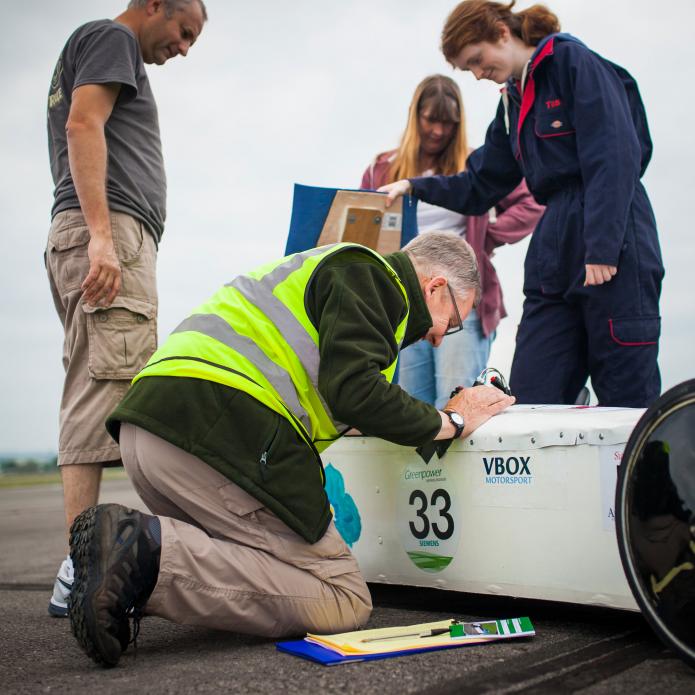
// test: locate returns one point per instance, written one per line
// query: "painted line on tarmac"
(561, 667)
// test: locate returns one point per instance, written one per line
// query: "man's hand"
(103, 280)
(598, 274)
(395, 190)
(478, 404)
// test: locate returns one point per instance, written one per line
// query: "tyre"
(655, 517)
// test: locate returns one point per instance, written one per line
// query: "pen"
(427, 633)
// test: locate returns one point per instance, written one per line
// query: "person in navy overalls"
(573, 125)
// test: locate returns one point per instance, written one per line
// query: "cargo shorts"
(104, 348)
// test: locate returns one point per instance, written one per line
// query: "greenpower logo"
(423, 475)
(428, 517)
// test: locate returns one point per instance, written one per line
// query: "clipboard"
(327, 657)
(323, 216)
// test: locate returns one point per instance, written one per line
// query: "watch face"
(457, 418)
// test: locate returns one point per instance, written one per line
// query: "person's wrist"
(457, 421)
(102, 234)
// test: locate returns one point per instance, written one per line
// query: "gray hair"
(449, 255)
(171, 6)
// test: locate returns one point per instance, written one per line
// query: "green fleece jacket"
(356, 309)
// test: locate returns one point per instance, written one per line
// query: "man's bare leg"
(80, 489)
(81, 484)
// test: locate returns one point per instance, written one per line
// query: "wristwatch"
(456, 420)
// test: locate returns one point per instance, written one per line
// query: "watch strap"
(459, 427)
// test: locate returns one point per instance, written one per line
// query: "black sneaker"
(115, 551)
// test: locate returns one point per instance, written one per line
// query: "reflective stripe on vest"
(216, 327)
(257, 327)
(260, 294)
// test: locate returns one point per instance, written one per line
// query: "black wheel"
(655, 517)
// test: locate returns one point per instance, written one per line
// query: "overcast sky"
(305, 91)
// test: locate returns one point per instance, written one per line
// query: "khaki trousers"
(229, 563)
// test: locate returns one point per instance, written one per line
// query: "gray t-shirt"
(104, 52)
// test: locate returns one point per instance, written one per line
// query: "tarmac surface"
(575, 649)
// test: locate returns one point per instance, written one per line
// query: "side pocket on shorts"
(121, 337)
(633, 332)
(66, 255)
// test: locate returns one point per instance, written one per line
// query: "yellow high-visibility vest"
(254, 334)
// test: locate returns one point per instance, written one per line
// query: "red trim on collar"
(529, 95)
(547, 50)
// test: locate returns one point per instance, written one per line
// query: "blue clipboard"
(327, 657)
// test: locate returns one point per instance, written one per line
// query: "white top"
(537, 426)
(432, 218)
(526, 427)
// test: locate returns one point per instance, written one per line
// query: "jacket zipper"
(308, 440)
(264, 455)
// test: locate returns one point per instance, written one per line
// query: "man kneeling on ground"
(221, 435)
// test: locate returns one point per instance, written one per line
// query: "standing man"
(107, 220)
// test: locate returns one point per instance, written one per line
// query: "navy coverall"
(579, 136)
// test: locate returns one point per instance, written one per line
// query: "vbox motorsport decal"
(509, 470)
(428, 516)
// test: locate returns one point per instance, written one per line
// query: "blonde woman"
(434, 142)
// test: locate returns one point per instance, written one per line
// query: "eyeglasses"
(459, 324)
